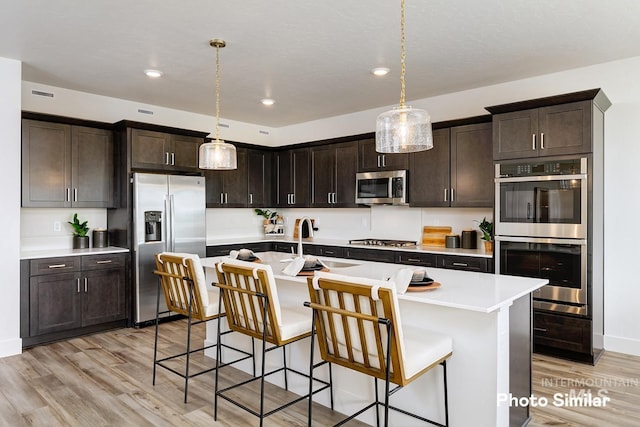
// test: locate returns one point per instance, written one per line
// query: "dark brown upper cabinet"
(456, 172)
(552, 126)
(228, 188)
(333, 169)
(370, 160)
(161, 151)
(292, 178)
(66, 165)
(259, 178)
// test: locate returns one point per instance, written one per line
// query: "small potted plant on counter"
(487, 233)
(270, 220)
(80, 230)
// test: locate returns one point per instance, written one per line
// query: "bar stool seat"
(253, 308)
(358, 326)
(182, 281)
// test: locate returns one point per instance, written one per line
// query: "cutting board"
(434, 235)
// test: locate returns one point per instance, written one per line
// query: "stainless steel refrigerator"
(168, 215)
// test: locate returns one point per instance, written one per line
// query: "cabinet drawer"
(42, 266)
(467, 263)
(95, 262)
(424, 260)
(332, 251)
(562, 332)
(370, 254)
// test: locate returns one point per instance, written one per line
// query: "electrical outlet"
(57, 226)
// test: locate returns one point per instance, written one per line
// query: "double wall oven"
(541, 229)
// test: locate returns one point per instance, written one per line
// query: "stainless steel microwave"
(382, 188)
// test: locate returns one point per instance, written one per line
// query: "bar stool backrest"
(350, 324)
(177, 271)
(250, 299)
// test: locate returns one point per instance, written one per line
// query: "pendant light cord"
(218, 93)
(402, 54)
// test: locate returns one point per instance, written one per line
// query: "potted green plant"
(80, 230)
(269, 222)
(486, 227)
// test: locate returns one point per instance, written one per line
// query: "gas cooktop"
(384, 242)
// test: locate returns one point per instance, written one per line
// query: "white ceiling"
(312, 56)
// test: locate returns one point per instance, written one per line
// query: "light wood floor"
(105, 380)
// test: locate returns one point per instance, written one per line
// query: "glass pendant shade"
(403, 130)
(217, 155)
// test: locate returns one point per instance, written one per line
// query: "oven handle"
(541, 178)
(581, 242)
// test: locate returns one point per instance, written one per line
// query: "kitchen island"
(487, 315)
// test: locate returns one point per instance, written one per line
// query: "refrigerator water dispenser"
(152, 226)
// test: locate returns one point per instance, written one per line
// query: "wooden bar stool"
(183, 284)
(253, 308)
(357, 323)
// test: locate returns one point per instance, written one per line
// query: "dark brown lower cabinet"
(564, 336)
(71, 296)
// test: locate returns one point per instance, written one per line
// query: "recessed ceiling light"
(153, 73)
(268, 101)
(380, 71)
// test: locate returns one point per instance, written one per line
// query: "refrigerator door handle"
(167, 221)
(172, 243)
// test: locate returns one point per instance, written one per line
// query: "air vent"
(40, 93)
(141, 111)
(264, 132)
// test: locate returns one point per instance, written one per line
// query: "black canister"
(452, 241)
(469, 239)
(100, 238)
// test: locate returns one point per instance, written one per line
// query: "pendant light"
(403, 129)
(218, 154)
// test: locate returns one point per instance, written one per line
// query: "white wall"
(622, 154)
(10, 75)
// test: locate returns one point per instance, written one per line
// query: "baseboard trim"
(10, 347)
(622, 345)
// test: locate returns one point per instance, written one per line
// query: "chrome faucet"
(308, 220)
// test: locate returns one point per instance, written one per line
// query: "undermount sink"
(337, 264)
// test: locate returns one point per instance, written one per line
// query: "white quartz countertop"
(480, 252)
(55, 253)
(481, 292)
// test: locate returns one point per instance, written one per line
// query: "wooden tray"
(310, 272)
(434, 285)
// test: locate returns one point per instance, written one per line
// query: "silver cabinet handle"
(75, 194)
(446, 193)
(78, 284)
(250, 198)
(460, 264)
(57, 265)
(173, 159)
(542, 141)
(533, 141)
(104, 261)
(86, 285)
(293, 198)
(379, 160)
(68, 195)
(226, 198)
(540, 329)
(335, 198)
(453, 195)
(384, 161)
(166, 157)
(328, 197)
(413, 260)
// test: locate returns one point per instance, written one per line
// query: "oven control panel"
(537, 168)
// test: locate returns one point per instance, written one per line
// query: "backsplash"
(385, 222)
(38, 226)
